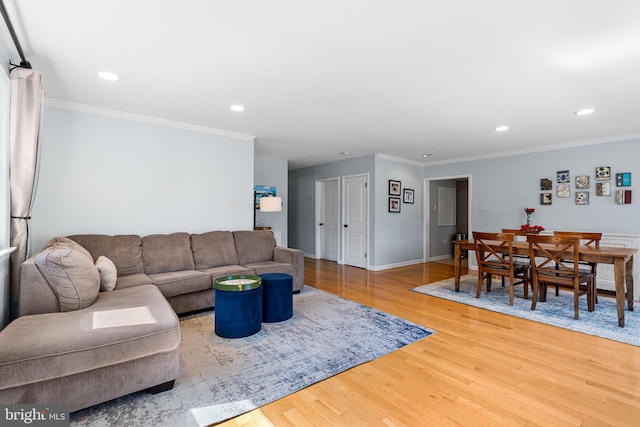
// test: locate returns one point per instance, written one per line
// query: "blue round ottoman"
(238, 306)
(277, 297)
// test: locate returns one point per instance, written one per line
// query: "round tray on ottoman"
(238, 306)
(277, 297)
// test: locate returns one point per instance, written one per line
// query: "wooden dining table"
(620, 258)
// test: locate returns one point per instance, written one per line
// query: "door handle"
(321, 224)
(345, 226)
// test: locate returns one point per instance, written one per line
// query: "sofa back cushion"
(68, 243)
(254, 246)
(71, 275)
(125, 251)
(213, 249)
(163, 253)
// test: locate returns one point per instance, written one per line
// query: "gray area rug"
(557, 311)
(223, 378)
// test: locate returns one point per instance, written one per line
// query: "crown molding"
(398, 159)
(145, 119)
(574, 144)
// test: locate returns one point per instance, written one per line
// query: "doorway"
(327, 219)
(440, 223)
(355, 236)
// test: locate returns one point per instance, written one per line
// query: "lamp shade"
(270, 204)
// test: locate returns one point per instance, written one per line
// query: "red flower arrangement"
(527, 228)
(529, 211)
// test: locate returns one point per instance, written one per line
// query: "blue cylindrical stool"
(277, 297)
(238, 306)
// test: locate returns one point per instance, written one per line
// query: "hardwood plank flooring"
(480, 368)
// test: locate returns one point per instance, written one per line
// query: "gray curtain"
(24, 129)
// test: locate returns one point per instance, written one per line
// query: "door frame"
(318, 207)
(341, 256)
(426, 208)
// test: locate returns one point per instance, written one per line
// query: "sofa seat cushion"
(213, 249)
(133, 280)
(181, 282)
(75, 342)
(270, 267)
(228, 270)
(254, 246)
(162, 253)
(124, 250)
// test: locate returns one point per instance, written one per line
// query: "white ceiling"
(402, 78)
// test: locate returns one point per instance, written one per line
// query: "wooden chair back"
(490, 250)
(586, 237)
(554, 259)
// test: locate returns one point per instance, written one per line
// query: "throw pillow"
(71, 275)
(68, 243)
(108, 273)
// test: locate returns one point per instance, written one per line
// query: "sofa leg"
(161, 387)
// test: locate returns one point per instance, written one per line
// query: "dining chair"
(588, 239)
(519, 260)
(554, 261)
(489, 249)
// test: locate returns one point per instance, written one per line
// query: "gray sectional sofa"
(97, 313)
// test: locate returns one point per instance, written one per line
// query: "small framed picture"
(582, 182)
(394, 188)
(545, 184)
(394, 204)
(603, 188)
(582, 197)
(562, 176)
(545, 198)
(603, 173)
(563, 190)
(407, 195)
(623, 179)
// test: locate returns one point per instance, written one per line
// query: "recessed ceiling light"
(585, 111)
(427, 155)
(502, 128)
(237, 107)
(345, 153)
(108, 76)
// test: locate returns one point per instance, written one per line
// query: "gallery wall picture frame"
(582, 182)
(623, 197)
(563, 176)
(546, 184)
(394, 204)
(407, 195)
(394, 187)
(563, 191)
(582, 197)
(545, 198)
(603, 173)
(603, 188)
(623, 179)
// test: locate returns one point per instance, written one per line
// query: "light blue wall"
(274, 173)
(506, 185)
(398, 236)
(108, 175)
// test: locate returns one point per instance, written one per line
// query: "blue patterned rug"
(557, 311)
(223, 378)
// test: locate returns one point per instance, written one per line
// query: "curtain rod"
(23, 63)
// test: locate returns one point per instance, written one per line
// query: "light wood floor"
(480, 369)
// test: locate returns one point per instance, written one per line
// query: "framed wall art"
(582, 197)
(394, 188)
(394, 204)
(545, 198)
(623, 197)
(582, 182)
(603, 188)
(545, 184)
(603, 173)
(562, 176)
(563, 191)
(623, 179)
(407, 195)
